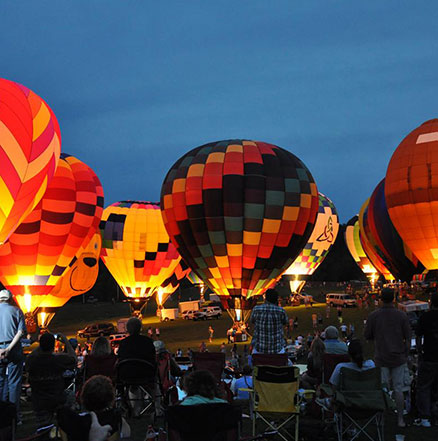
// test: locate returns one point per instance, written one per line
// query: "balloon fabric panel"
(368, 246)
(46, 242)
(171, 284)
(239, 212)
(30, 145)
(352, 239)
(323, 237)
(411, 192)
(136, 247)
(398, 258)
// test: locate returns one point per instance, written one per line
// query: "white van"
(340, 299)
(212, 311)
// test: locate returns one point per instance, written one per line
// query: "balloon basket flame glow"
(137, 305)
(27, 300)
(44, 316)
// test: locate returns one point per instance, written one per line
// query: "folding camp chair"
(329, 362)
(269, 360)
(360, 401)
(139, 376)
(275, 400)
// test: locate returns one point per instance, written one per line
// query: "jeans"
(11, 373)
(426, 380)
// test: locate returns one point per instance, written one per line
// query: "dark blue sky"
(135, 84)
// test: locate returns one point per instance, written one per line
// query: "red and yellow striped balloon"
(30, 145)
(41, 249)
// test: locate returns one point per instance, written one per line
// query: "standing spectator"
(157, 333)
(203, 347)
(223, 348)
(190, 353)
(327, 311)
(150, 332)
(210, 333)
(391, 332)
(427, 328)
(12, 328)
(339, 309)
(296, 322)
(332, 343)
(319, 319)
(234, 351)
(344, 329)
(291, 326)
(351, 330)
(314, 320)
(269, 320)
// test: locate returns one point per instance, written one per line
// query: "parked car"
(96, 330)
(340, 299)
(115, 339)
(194, 315)
(212, 311)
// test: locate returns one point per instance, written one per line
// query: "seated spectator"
(201, 388)
(355, 351)
(244, 382)
(101, 360)
(136, 345)
(332, 343)
(313, 376)
(46, 377)
(97, 396)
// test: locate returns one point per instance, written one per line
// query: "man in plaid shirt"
(268, 320)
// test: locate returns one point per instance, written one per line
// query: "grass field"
(183, 334)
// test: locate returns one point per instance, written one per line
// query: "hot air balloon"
(78, 279)
(197, 281)
(352, 239)
(171, 284)
(323, 237)
(30, 145)
(411, 192)
(41, 249)
(369, 247)
(239, 213)
(397, 256)
(136, 249)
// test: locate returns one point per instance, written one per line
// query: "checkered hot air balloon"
(397, 256)
(136, 249)
(239, 213)
(44, 245)
(30, 145)
(352, 239)
(411, 192)
(323, 237)
(171, 284)
(368, 246)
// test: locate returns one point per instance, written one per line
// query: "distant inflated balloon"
(44, 245)
(239, 212)
(322, 238)
(136, 248)
(397, 256)
(411, 192)
(30, 145)
(369, 245)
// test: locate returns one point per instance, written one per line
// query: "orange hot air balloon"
(41, 249)
(30, 145)
(78, 279)
(411, 192)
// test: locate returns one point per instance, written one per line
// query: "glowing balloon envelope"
(30, 145)
(136, 249)
(354, 245)
(239, 213)
(41, 249)
(322, 238)
(171, 284)
(411, 192)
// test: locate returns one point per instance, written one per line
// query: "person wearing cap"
(12, 329)
(332, 343)
(389, 328)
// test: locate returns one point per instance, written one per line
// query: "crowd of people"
(50, 369)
